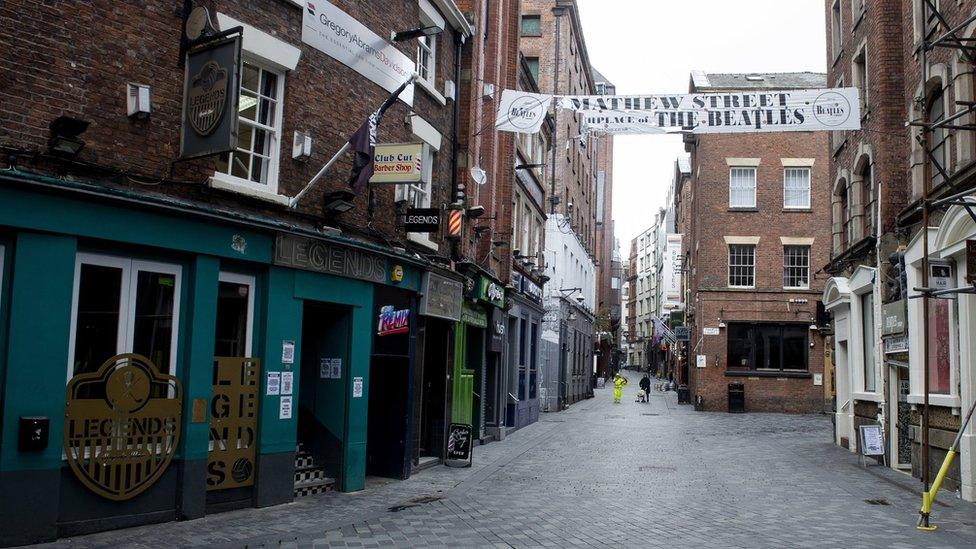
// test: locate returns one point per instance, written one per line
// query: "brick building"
(554, 48)
(632, 333)
(759, 212)
(607, 293)
(336, 327)
(868, 191)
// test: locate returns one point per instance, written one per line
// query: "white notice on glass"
(287, 352)
(325, 368)
(284, 408)
(286, 381)
(336, 368)
(357, 387)
(274, 383)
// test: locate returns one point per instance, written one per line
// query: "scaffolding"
(932, 138)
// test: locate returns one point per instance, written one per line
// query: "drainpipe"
(553, 199)
(455, 118)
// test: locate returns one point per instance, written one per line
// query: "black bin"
(683, 396)
(737, 398)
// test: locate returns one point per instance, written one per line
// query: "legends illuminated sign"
(122, 426)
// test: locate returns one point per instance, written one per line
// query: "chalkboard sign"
(872, 440)
(459, 442)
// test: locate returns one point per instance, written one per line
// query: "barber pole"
(454, 224)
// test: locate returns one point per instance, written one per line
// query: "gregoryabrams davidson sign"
(210, 99)
(122, 426)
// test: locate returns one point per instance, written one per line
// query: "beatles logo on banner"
(210, 99)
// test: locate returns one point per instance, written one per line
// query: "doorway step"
(310, 478)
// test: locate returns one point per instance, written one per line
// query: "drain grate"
(645, 468)
(649, 414)
(877, 501)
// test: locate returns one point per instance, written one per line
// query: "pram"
(641, 396)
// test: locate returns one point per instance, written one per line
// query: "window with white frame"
(427, 52)
(796, 188)
(123, 305)
(235, 315)
(417, 194)
(742, 265)
(867, 341)
(742, 187)
(254, 163)
(796, 267)
(836, 32)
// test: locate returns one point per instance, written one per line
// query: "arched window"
(935, 112)
(867, 196)
(841, 217)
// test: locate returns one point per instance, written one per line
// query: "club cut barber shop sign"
(122, 426)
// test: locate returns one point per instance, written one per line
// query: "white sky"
(651, 46)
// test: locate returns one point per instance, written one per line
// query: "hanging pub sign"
(487, 290)
(422, 220)
(893, 318)
(210, 98)
(398, 163)
(971, 261)
(122, 426)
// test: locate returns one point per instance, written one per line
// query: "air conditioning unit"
(138, 101)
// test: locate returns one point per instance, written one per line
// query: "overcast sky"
(651, 46)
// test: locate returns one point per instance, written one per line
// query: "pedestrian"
(645, 385)
(618, 387)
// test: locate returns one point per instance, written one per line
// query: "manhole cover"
(876, 502)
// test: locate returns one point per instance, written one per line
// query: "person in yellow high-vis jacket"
(618, 387)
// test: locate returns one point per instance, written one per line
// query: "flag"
(363, 143)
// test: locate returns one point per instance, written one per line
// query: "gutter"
(185, 208)
(454, 16)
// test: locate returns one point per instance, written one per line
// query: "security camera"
(579, 299)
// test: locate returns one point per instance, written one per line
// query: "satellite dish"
(479, 175)
(196, 22)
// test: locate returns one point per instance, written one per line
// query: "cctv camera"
(579, 298)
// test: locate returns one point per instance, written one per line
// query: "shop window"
(531, 25)
(254, 164)
(940, 347)
(235, 315)
(742, 265)
(868, 343)
(742, 188)
(522, 364)
(769, 347)
(123, 306)
(796, 267)
(796, 188)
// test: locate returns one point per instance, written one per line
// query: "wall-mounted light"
(721, 324)
(474, 212)
(338, 202)
(415, 33)
(64, 139)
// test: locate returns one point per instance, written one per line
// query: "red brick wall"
(75, 58)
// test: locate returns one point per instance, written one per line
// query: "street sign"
(682, 333)
(422, 220)
(872, 441)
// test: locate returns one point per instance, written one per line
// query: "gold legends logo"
(122, 426)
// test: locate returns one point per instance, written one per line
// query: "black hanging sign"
(422, 220)
(210, 98)
(459, 442)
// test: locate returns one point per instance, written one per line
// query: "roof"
(701, 81)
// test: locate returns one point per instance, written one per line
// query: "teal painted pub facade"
(51, 229)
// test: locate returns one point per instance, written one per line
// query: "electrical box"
(32, 434)
(138, 101)
(301, 148)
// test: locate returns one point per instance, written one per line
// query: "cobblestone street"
(598, 474)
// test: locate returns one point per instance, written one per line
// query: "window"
(867, 198)
(836, 32)
(122, 305)
(867, 341)
(742, 265)
(426, 58)
(523, 336)
(742, 188)
(254, 163)
(772, 347)
(859, 75)
(533, 63)
(533, 360)
(417, 194)
(940, 347)
(844, 215)
(235, 315)
(796, 188)
(796, 267)
(931, 22)
(939, 136)
(531, 25)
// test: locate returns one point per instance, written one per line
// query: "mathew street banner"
(522, 112)
(730, 112)
(334, 32)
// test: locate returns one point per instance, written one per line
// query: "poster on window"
(939, 350)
